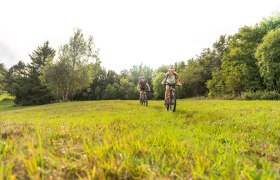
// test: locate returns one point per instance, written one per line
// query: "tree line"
(246, 64)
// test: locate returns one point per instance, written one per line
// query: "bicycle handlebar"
(144, 90)
(169, 84)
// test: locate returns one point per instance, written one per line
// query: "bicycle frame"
(144, 98)
(171, 98)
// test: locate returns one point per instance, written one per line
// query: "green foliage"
(15, 73)
(112, 77)
(162, 69)
(137, 71)
(244, 62)
(272, 22)
(180, 70)
(239, 68)
(73, 70)
(111, 91)
(99, 84)
(218, 50)
(98, 93)
(31, 91)
(56, 77)
(4, 96)
(216, 85)
(268, 54)
(23, 80)
(193, 79)
(27, 93)
(40, 57)
(126, 89)
(122, 140)
(201, 69)
(3, 74)
(261, 95)
(157, 87)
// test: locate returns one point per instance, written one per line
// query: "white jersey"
(171, 79)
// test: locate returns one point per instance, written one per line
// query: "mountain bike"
(144, 99)
(170, 103)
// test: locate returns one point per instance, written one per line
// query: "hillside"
(123, 140)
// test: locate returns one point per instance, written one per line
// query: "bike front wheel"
(166, 103)
(141, 101)
(172, 102)
(145, 100)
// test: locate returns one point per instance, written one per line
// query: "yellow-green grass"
(204, 139)
(5, 96)
(6, 102)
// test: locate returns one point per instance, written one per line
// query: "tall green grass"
(204, 139)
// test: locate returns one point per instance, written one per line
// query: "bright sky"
(128, 32)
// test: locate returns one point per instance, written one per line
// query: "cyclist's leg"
(172, 89)
(166, 93)
(140, 97)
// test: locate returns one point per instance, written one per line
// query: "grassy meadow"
(204, 139)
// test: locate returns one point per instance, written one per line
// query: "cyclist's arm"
(163, 81)
(138, 87)
(176, 76)
(148, 86)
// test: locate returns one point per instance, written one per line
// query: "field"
(204, 139)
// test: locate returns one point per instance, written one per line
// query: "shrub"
(261, 95)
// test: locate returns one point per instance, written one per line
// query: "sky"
(127, 32)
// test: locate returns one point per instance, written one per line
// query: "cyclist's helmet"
(171, 68)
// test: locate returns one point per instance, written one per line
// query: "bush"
(4, 96)
(261, 95)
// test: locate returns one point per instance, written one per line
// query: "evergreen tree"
(14, 75)
(30, 90)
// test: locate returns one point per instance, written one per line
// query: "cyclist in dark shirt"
(142, 86)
